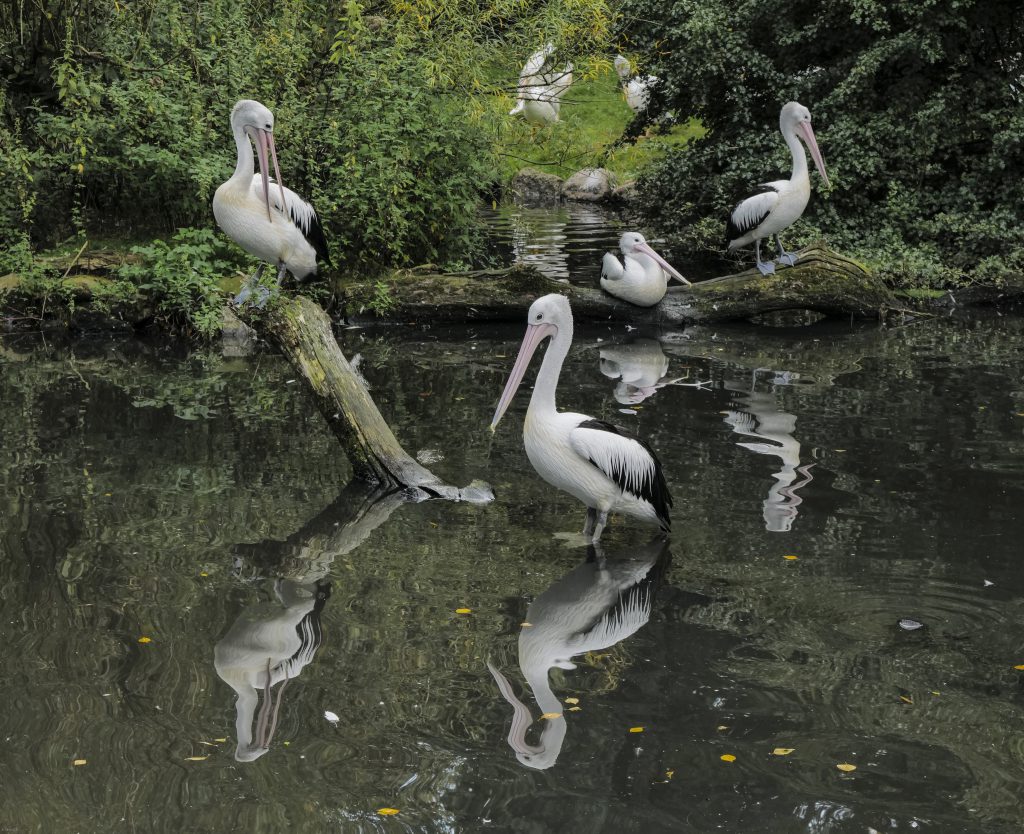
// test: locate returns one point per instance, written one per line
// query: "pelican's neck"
(797, 151)
(245, 167)
(543, 398)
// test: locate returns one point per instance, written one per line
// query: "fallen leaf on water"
(463, 610)
(203, 573)
(208, 743)
(548, 716)
(387, 812)
(790, 558)
(721, 727)
(575, 709)
(727, 757)
(934, 692)
(331, 716)
(196, 758)
(526, 625)
(1019, 667)
(145, 639)
(636, 729)
(220, 739)
(782, 751)
(79, 762)
(847, 768)
(572, 700)
(287, 743)
(669, 774)
(906, 699)
(840, 450)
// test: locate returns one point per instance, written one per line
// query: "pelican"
(540, 92)
(643, 275)
(590, 459)
(636, 89)
(278, 226)
(593, 607)
(768, 213)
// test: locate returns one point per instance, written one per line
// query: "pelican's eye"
(540, 316)
(269, 126)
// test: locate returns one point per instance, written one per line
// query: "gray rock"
(590, 184)
(531, 185)
(237, 338)
(625, 193)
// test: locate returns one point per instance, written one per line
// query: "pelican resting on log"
(275, 225)
(587, 458)
(781, 204)
(541, 87)
(643, 275)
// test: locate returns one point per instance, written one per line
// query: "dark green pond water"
(173, 524)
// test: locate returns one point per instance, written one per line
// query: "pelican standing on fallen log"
(643, 275)
(587, 458)
(275, 225)
(768, 213)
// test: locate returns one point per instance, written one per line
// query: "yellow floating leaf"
(145, 639)
(935, 693)
(79, 762)
(1019, 667)
(207, 743)
(636, 729)
(721, 727)
(196, 758)
(387, 812)
(220, 739)
(548, 716)
(906, 699)
(575, 709)
(107, 494)
(463, 610)
(727, 757)
(526, 625)
(840, 450)
(203, 573)
(669, 774)
(790, 558)
(572, 700)
(847, 768)
(782, 751)
(287, 743)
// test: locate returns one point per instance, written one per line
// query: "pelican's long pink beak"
(812, 146)
(265, 145)
(671, 270)
(535, 334)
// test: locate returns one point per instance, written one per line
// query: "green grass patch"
(593, 117)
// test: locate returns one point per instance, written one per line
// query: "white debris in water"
(988, 584)
(626, 411)
(331, 716)
(908, 624)
(426, 456)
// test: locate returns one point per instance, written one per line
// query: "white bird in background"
(636, 89)
(587, 458)
(278, 226)
(596, 605)
(642, 276)
(541, 87)
(768, 213)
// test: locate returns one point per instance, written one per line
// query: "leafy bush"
(917, 106)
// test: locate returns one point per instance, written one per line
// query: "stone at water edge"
(589, 184)
(531, 185)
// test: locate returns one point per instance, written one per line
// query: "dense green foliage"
(115, 116)
(917, 106)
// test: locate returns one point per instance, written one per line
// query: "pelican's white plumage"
(643, 275)
(589, 459)
(637, 89)
(258, 213)
(541, 87)
(783, 202)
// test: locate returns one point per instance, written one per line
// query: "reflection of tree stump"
(822, 280)
(303, 332)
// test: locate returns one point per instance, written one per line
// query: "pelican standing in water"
(275, 225)
(768, 213)
(587, 458)
(643, 275)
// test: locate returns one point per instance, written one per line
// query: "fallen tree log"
(302, 330)
(822, 281)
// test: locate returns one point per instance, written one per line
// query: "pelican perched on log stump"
(643, 275)
(783, 202)
(276, 225)
(587, 458)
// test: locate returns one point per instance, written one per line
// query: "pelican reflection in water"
(267, 646)
(757, 414)
(641, 368)
(593, 607)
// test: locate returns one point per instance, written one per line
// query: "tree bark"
(303, 332)
(822, 280)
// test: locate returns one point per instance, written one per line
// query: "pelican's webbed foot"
(764, 267)
(787, 258)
